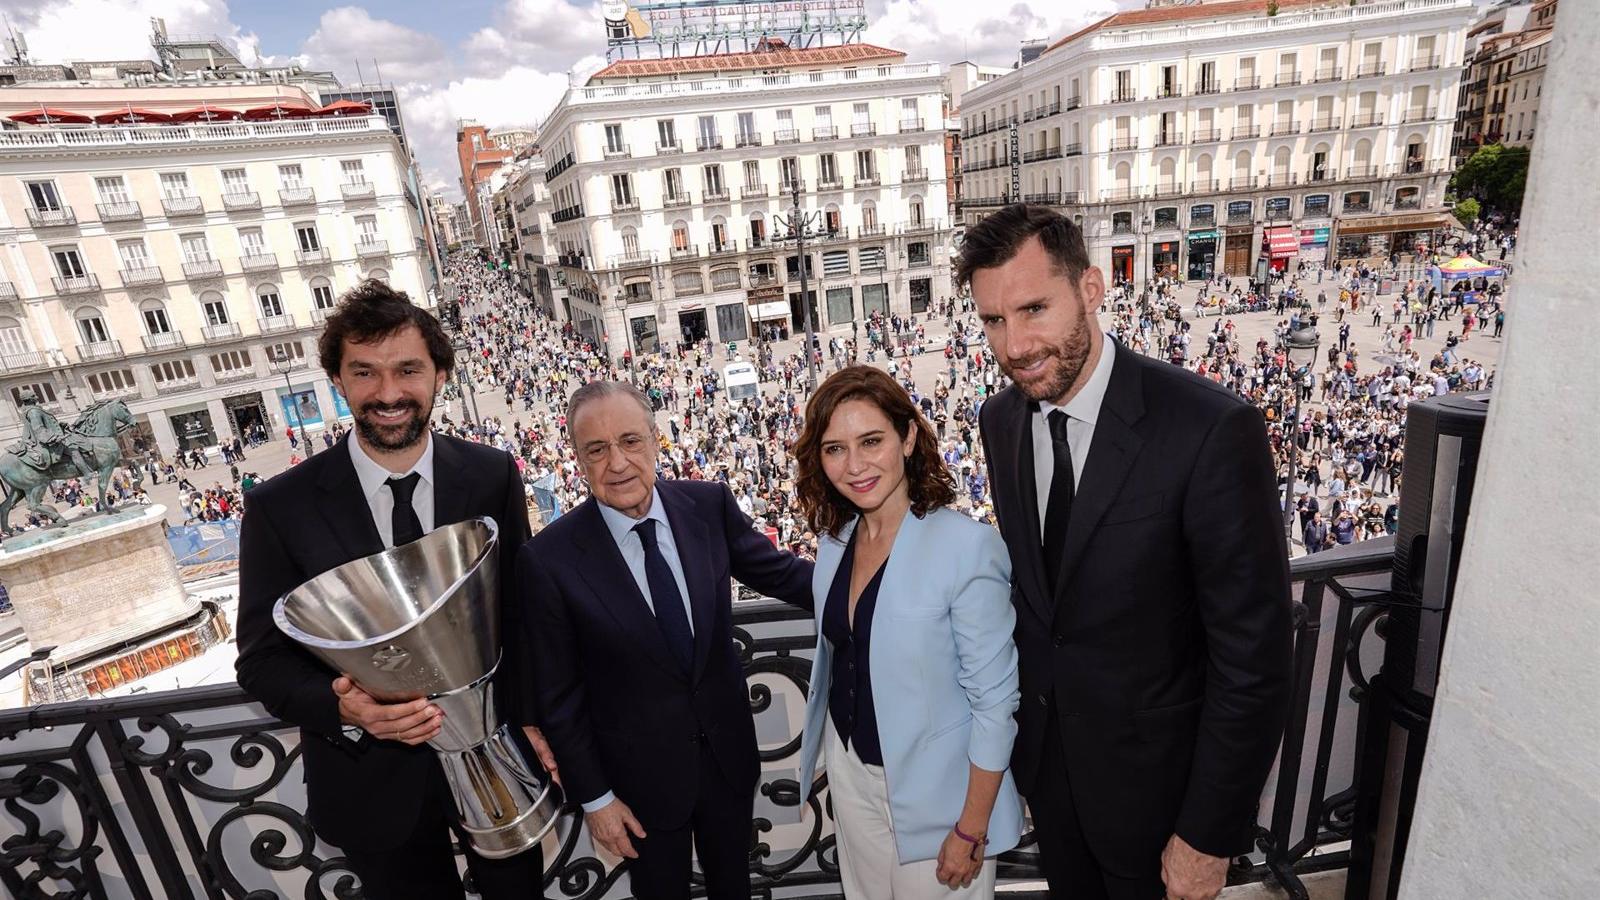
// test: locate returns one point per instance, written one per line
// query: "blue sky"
(284, 25)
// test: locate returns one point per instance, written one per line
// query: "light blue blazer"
(944, 676)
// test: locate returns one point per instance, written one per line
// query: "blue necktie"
(670, 614)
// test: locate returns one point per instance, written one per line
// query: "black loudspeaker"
(1444, 436)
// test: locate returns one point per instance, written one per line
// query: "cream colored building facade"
(185, 268)
(1204, 139)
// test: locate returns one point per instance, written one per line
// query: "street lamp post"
(798, 222)
(1145, 228)
(464, 379)
(285, 364)
(1301, 354)
(627, 336)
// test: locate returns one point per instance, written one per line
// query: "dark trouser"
(1071, 866)
(424, 866)
(719, 830)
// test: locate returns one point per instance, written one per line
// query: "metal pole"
(299, 419)
(1294, 459)
(797, 222)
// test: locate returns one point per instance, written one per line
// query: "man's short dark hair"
(372, 311)
(994, 240)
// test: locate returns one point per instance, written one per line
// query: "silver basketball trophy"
(423, 620)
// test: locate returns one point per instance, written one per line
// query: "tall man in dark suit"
(629, 624)
(1152, 590)
(373, 788)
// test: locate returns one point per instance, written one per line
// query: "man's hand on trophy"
(413, 722)
(610, 825)
(547, 757)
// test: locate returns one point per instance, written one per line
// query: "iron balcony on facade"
(321, 314)
(1169, 139)
(671, 201)
(1123, 97)
(863, 129)
(719, 195)
(1328, 73)
(908, 126)
(708, 142)
(1073, 149)
(1360, 172)
(132, 277)
(165, 340)
(1425, 63)
(224, 331)
(1286, 79)
(625, 204)
(244, 200)
(75, 284)
(1319, 176)
(8, 291)
(1206, 136)
(1119, 195)
(1426, 114)
(203, 268)
(119, 212)
(275, 324)
(258, 262)
(873, 230)
(26, 360)
(358, 190)
(722, 249)
(1208, 186)
(1498, 106)
(182, 205)
(866, 181)
(372, 247)
(687, 251)
(911, 175)
(1074, 102)
(570, 214)
(789, 187)
(1169, 189)
(1326, 123)
(1119, 145)
(297, 196)
(619, 152)
(747, 139)
(1242, 183)
(1247, 84)
(920, 226)
(755, 243)
(561, 165)
(753, 192)
(786, 136)
(1370, 120)
(1246, 133)
(1047, 199)
(1281, 128)
(1372, 70)
(1208, 87)
(663, 148)
(1411, 167)
(1169, 91)
(100, 350)
(825, 133)
(313, 257)
(830, 184)
(51, 218)
(985, 201)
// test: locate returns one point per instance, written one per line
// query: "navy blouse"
(850, 697)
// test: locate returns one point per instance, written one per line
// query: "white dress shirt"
(380, 497)
(621, 526)
(1082, 412)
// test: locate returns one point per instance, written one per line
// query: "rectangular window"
(114, 381)
(173, 370)
(195, 248)
(322, 296)
(44, 390)
(43, 196)
(708, 129)
(674, 182)
(687, 283)
(874, 300)
(873, 259)
(133, 254)
(93, 330)
(291, 349)
(13, 339)
(713, 179)
(234, 182)
(824, 116)
(827, 169)
(789, 171)
(752, 174)
(290, 176)
(841, 305)
(175, 185)
(621, 189)
(366, 229)
(271, 303)
(68, 263)
(865, 167)
(156, 321)
(836, 264)
(614, 137)
(230, 362)
(306, 236)
(733, 324)
(921, 294)
(914, 158)
(112, 189)
(1124, 85)
(667, 132)
(354, 172)
(747, 124)
(216, 312)
(251, 243)
(917, 253)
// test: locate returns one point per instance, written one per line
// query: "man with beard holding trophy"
(374, 789)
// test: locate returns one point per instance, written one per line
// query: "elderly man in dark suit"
(373, 788)
(630, 630)
(1151, 580)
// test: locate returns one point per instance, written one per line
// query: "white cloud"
(948, 31)
(65, 30)
(348, 37)
(552, 34)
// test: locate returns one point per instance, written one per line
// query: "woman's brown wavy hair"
(929, 482)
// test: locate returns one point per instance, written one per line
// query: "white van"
(739, 378)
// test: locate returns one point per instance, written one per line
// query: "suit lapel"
(1025, 500)
(1111, 456)
(345, 509)
(600, 563)
(452, 486)
(690, 535)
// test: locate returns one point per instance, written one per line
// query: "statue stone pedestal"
(98, 584)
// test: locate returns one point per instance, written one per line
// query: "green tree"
(1496, 174)
(1467, 211)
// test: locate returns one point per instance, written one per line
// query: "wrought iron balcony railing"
(128, 211)
(297, 196)
(244, 200)
(202, 268)
(51, 218)
(141, 275)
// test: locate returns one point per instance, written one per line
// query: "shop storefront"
(874, 300)
(1314, 242)
(300, 408)
(693, 326)
(1164, 256)
(1236, 251)
(733, 324)
(1202, 254)
(193, 428)
(1279, 244)
(1122, 264)
(769, 313)
(1379, 236)
(643, 333)
(246, 413)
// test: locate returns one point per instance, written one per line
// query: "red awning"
(278, 111)
(1280, 242)
(207, 113)
(132, 115)
(45, 115)
(344, 108)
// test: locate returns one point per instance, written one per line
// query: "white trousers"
(868, 863)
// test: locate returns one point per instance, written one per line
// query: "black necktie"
(664, 594)
(1058, 509)
(407, 527)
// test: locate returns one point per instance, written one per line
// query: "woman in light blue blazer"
(915, 678)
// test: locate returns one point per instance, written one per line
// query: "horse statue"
(96, 430)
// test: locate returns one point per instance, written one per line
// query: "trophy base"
(503, 806)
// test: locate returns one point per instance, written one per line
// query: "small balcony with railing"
(1206, 136)
(708, 142)
(205, 267)
(1205, 186)
(315, 256)
(1169, 91)
(869, 180)
(99, 351)
(8, 292)
(258, 262)
(1127, 96)
(1242, 183)
(1421, 114)
(1169, 138)
(1372, 70)
(1360, 173)
(723, 247)
(747, 139)
(1287, 79)
(297, 196)
(667, 148)
(1247, 83)
(1169, 189)
(830, 183)
(163, 340)
(910, 126)
(789, 186)
(676, 199)
(913, 175)
(625, 204)
(17, 361)
(180, 205)
(1325, 123)
(754, 192)
(358, 190)
(683, 251)
(825, 133)
(714, 195)
(1121, 194)
(1246, 133)
(863, 129)
(786, 136)
(125, 211)
(241, 201)
(220, 331)
(1426, 63)
(74, 285)
(275, 324)
(1366, 120)
(1124, 144)
(616, 151)
(1285, 127)
(136, 276)
(368, 248)
(51, 217)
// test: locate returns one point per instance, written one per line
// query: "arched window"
(680, 236)
(630, 242)
(915, 207)
(758, 230)
(869, 217)
(215, 307)
(91, 327)
(1122, 223)
(13, 337)
(269, 301)
(1168, 179)
(322, 294)
(379, 275)
(1124, 174)
(154, 314)
(832, 221)
(1361, 158)
(1241, 166)
(720, 240)
(1280, 164)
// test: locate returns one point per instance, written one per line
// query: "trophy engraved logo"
(391, 659)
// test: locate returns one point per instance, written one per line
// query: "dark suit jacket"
(619, 713)
(313, 518)
(1166, 647)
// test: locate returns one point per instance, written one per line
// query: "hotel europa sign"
(687, 21)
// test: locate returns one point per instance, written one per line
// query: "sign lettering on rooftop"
(674, 21)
